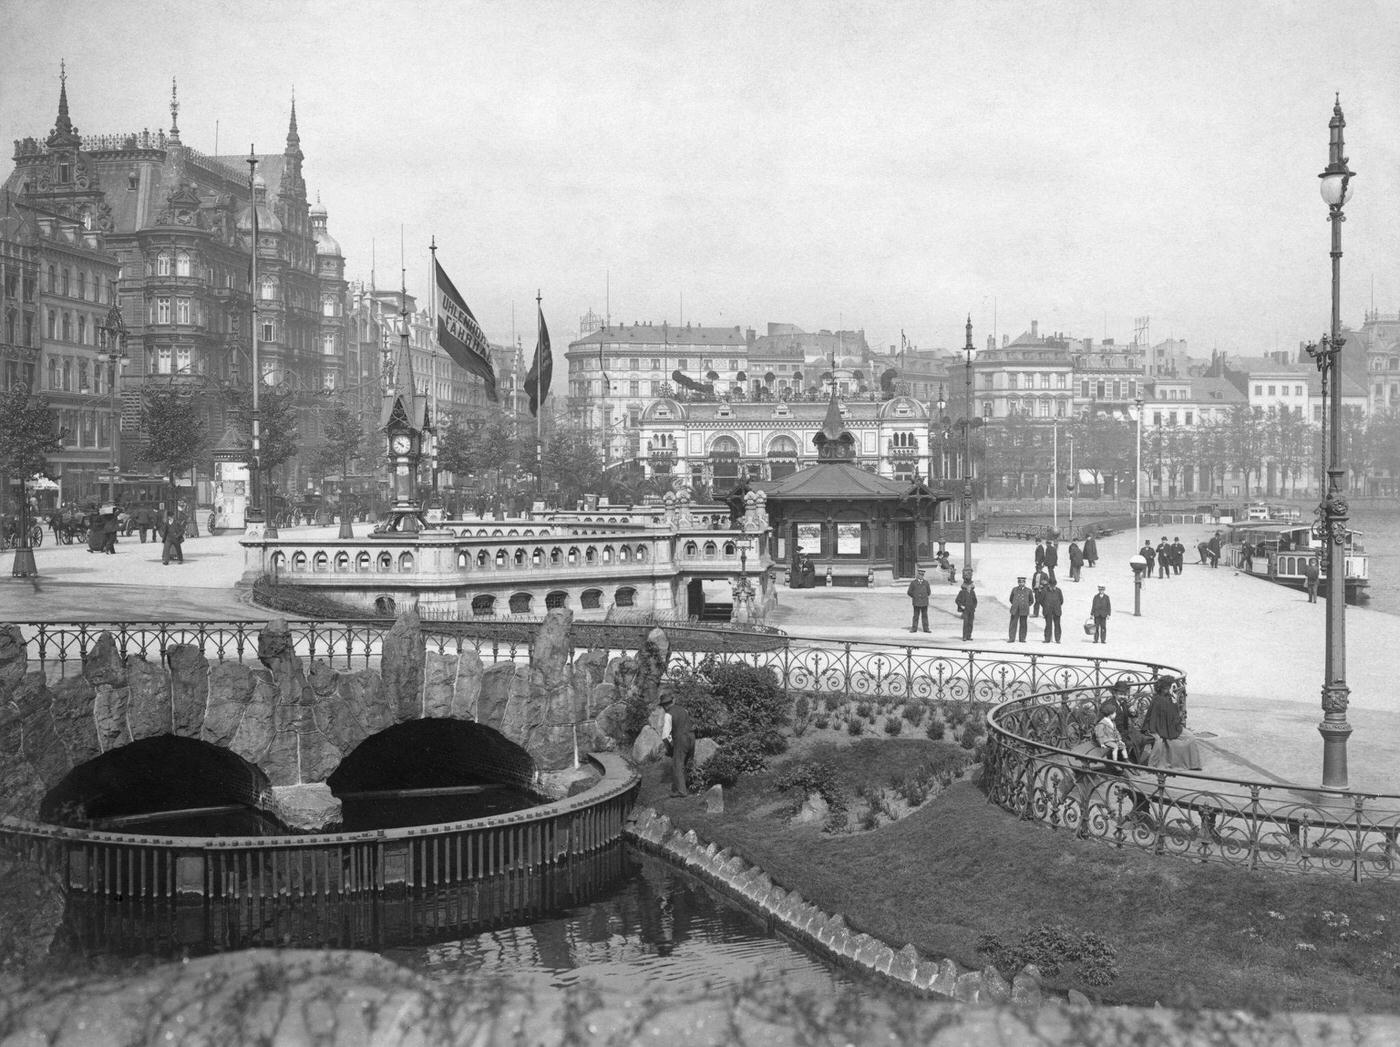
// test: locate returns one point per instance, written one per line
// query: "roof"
(659, 334)
(837, 480)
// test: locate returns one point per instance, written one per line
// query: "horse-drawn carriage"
(70, 524)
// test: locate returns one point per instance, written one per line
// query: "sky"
(887, 166)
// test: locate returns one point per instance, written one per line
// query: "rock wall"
(297, 723)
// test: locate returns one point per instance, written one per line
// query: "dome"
(316, 211)
(325, 243)
(267, 221)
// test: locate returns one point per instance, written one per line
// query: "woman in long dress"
(1173, 745)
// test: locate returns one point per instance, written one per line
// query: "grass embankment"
(1186, 934)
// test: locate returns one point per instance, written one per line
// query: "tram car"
(1278, 550)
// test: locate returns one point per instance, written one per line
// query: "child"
(1107, 736)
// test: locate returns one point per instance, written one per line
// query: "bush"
(730, 764)
(833, 701)
(855, 726)
(801, 712)
(816, 776)
(914, 713)
(822, 721)
(863, 710)
(1051, 947)
(893, 725)
(936, 729)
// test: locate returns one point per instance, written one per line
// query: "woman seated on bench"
(1172, 744)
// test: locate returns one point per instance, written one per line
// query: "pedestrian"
(1076, 561)
(1202, 552)
(966, 603)
(1020, 602)
(679, 739)
(1091, 550)
(1099, 610)
(1039, 581)
(1310, 576)
(110, 526)
(1178, 554)
(1213, 549)
(1052, 602)
(97, 534)
(174, 536)
(1052, 558)
(1039, 553)
(918, 592)
(1150, 555)
(1164, 558)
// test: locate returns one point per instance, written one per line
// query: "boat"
(1278, 550)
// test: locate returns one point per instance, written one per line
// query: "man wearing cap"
(966, 603)
(918, 593)
(1099, 610)
(1178, 554)
(1020, 601)
(676, 732)
(1052, 602)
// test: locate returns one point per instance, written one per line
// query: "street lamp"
(1332, 513)
(1137, 479)
(115, 331)
(1071, 484)
(967, 461)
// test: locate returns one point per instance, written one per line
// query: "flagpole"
(539, 403)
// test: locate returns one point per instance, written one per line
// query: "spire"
(832, 425)
(293, 139)
(63, 129)
(174, 111)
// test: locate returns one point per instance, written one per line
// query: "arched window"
(267, 289)
(520, 603)
(405, 563)
(163, 264)
(573, 555)
(182, 263)
(641, 554)
(591, 599)
(342, 563)
(384, 606)
(710, 550)
(729, 549)
(298, 561)
(624, 553)
(320, 562)
(362, 563)
(278, 560)
(501, 558)
(386, 562)
(625, 597)
(556, 599)
(520, 558)
(463, 561)
(555, 555)
(691, 549)
(590, 555)
(607, 554)
(537, 558)
(483, 606)
(483, 558)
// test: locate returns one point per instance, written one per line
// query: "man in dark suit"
(919, 592)
(1052, 602)
(966, 603)
(1052, 559)
(679, 737)
(1099, 610)
(1020, 601)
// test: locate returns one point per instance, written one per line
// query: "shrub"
(914, 713)
(893, 725)
(730, 764)
(833, 701)
(822, 721)
(936, 729)
(801, 713)
(855, 726)
(863, 710)
(817, 776)
(1052, 947)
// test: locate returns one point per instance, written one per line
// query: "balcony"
(903, 452)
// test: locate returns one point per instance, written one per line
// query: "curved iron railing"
(162, 893)
(1041, 765)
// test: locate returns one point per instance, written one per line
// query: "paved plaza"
(1253, 651)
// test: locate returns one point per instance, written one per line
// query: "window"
(82, 329)
(82, 376)
(1061, 381)
(987, 381)
(51, 280)
(1271, 391)
(269, 331)
(1297, 390)
(1118, 388)
(1045, 379)
(733, 364)
(1099, 390)
(1189, 416)
(163, 264)
(328, 305)
(82, 284)
(267, 288)
(1156, 417)
(182, 310)
(1084, 388)
(67, 276)
(50, 319)
(67, 376)
(53, 373)
(1012, 380)
(1132, 388)
(1171, 418)
(655, 364)
(1059, 408)
(182, 264)
(680, 363)
(163, 309)
(634, 387)
(1258, 390)
(182, 360)
(67, 326)
(625, 597)
(163, 360)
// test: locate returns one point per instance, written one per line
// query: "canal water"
(617, 918)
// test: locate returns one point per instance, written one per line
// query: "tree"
(342, 439)
(277, 424)
(1212, 452)
(1103, 445)
(454, 448)
(175, 422)
(29, 433)
(1012, 448)
(1242, 443)
(572, 464)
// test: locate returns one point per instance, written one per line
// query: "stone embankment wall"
(297, 723)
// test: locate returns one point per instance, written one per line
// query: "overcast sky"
(882, 165)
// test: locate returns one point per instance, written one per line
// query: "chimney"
(1035, 330)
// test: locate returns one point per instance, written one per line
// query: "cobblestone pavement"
(1253, 651)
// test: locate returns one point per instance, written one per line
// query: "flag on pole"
(603, 367)
(460, 335)
(541, 370)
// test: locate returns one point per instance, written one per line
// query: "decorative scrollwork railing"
(1040, 765)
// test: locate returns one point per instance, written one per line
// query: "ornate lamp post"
(967, 461)
(115, 330)
(1332, 513)
(1137, 481)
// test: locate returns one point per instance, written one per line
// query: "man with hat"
(918, 592)
(966, 603)
(679, 739)
(1020, 600)
(1052, 602)
(1099, 610)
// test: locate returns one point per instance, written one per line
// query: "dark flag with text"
(541, 371)
(460, 335)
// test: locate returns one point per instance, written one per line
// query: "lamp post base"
(346, 531)
(1334, 752)
(25, 566)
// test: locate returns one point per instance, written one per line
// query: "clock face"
(401, 443)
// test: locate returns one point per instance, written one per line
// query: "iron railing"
(1041, 764)
(161, 893)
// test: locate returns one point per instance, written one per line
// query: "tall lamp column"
(1331, 526)
(967, 460)
(115, 330)
(1137, 482)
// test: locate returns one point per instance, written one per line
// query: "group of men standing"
(1167, 557)
(168, 525)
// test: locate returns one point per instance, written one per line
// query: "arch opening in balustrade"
(572, 555)
(483, 606)
(298, 561)
(625, 597)
(555, 599)
(591, 600)
(362, 563)
(537, 558)
(520, 558)
(641, 554)
(691, 549)
(320, 563)
(710, 550)
(607, 554)
(501, 559)
(164, 773)
(432, 754)
(405, 562)
(520, 603)
(342, 563)
(386, 562)
(384, 606)
(279, 560)
(590, 555)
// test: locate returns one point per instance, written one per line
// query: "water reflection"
(656, 926)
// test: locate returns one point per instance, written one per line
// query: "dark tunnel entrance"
(155, 776)
(430, 771)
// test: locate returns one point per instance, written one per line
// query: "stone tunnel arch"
(433, 754)
(160, 773)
